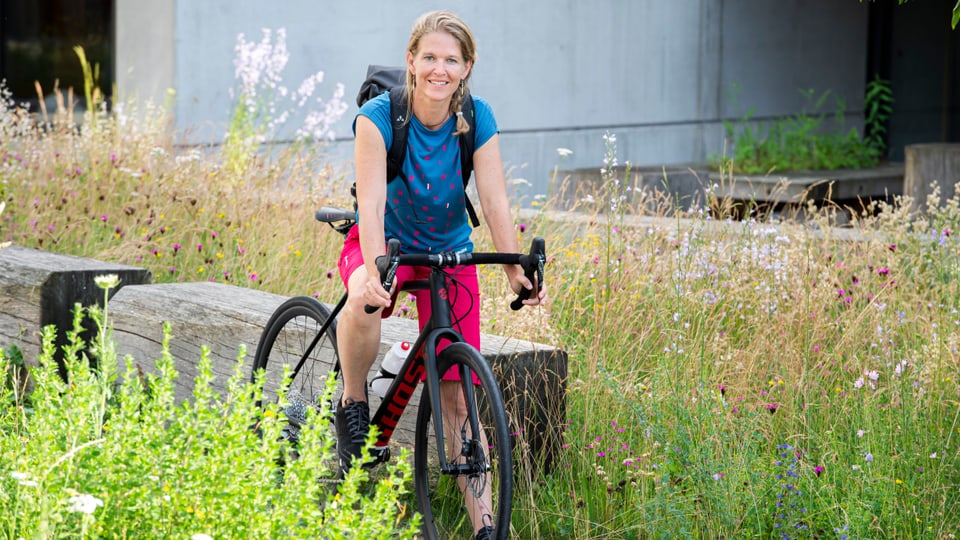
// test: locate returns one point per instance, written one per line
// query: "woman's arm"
(492, 189)
(370, 157)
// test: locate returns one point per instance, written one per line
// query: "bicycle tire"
(287, 335)
(439, 498)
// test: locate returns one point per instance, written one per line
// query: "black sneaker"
(485, 533)
(353, 423)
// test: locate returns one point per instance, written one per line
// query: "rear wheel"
(295, 336)
(478, 483)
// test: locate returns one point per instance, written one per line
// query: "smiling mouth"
(439, 83)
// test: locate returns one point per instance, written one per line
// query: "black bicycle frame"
(439, 327)
(411, 374)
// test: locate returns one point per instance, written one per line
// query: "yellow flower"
(200, 270)
(219, 255)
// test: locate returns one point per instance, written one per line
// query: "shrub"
(110, 454)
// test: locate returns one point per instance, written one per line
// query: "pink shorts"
(464, 291)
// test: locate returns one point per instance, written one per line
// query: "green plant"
(110, 454)
(803, 142)
(877, 108)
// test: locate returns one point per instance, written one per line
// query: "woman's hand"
(519, 281)
(374, 294)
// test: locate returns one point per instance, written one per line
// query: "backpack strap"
(466, 154)
(398, 119)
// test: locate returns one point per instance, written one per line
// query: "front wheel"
(479, 470)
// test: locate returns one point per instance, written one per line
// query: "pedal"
(380, 454)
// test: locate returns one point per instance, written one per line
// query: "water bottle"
(389, 367)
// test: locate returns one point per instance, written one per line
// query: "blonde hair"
(447, 22)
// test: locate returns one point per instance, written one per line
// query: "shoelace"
(358, 421)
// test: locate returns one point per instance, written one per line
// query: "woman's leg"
(453, 404)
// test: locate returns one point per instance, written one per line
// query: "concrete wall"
(560, 73)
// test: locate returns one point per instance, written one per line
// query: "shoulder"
(378, 111)
(376, 104)
(481, 106)
(486, 122)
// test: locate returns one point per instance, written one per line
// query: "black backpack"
(382, 79)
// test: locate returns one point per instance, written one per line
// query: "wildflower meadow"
(728, 378)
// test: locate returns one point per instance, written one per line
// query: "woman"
(425, 210)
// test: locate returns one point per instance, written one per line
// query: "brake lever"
(533, 270)
(387, 266)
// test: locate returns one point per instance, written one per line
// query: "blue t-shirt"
(427, 212)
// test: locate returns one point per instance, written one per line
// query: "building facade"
(662, 76)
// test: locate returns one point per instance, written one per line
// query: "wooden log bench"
(221, 317)
(38, 288)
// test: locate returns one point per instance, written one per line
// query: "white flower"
(23, 479)
(83, 503)
(201, 536)
(108, 281)
(564, 152)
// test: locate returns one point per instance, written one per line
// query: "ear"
(466, 72)
(410, 67)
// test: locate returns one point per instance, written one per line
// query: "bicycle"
(302, 333)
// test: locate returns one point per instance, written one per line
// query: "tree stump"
(38, 288)
(929, 163)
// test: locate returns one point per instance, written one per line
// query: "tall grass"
(728, 379)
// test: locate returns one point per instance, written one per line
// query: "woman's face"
(438, 66)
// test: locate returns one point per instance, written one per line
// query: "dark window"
(37, 40)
